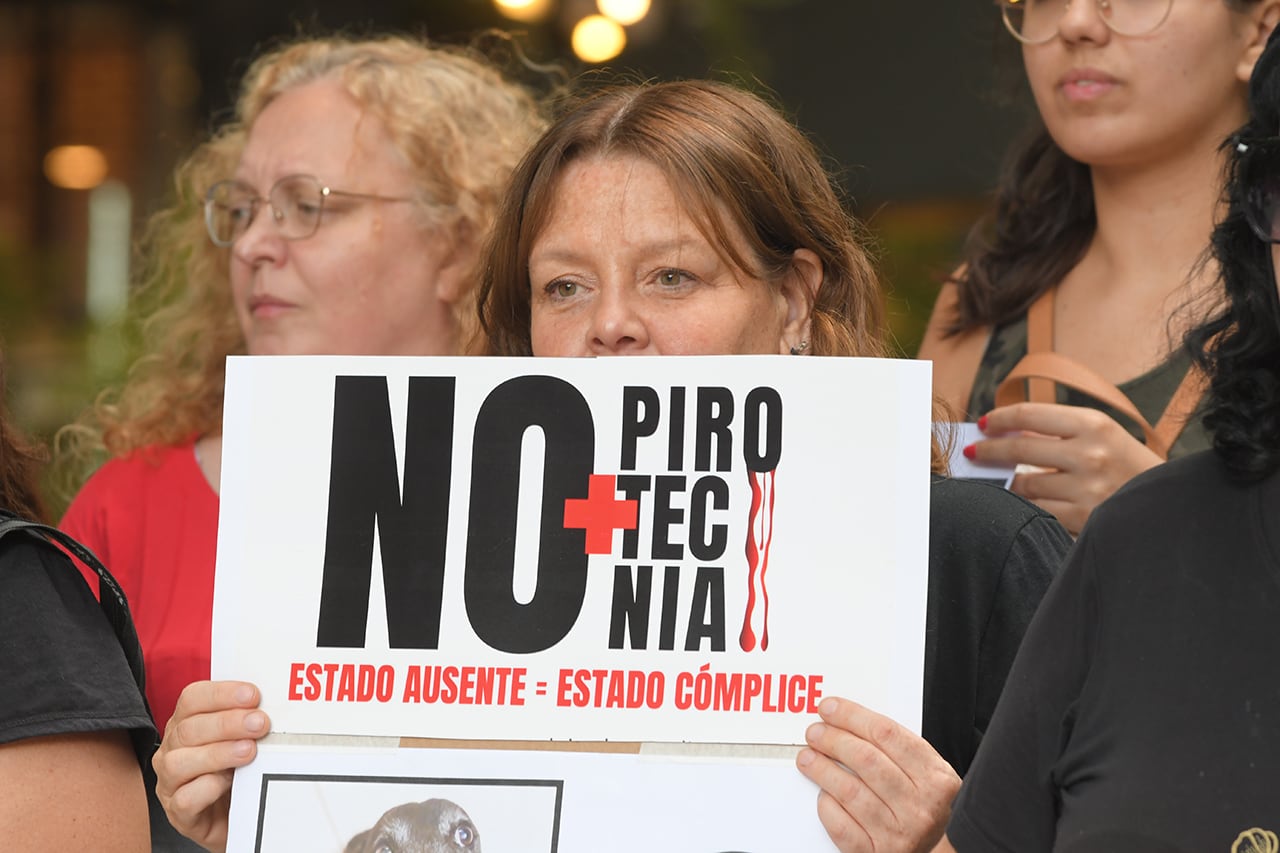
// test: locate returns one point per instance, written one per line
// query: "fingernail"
(241, 748)
(805, 758)
(982, 423)
(256, 721)
(244, 694)
(969, 451)
(828, 707)
(815, 732)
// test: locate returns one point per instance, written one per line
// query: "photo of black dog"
(431, 826)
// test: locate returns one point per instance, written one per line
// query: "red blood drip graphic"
(759, 538)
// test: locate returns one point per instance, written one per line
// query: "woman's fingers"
(178, 765)
(189, 808)
(884, 788)
(1084, 455)
(214, 729)
(201, 697)
(1044, 418)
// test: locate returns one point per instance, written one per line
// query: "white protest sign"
(307, 798)
(642, 549)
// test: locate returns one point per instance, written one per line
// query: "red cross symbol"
(601, 513)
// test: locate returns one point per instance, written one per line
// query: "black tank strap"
(111, 597)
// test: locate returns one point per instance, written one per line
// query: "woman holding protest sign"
(692, 219)
(1077, 287)
(74, 727)
(341, 211)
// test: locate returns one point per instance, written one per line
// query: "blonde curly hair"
(461, 126)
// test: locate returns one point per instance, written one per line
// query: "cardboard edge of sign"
(647, 748)
(650, 749)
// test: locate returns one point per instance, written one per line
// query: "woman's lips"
(267, 307)
(1086, 84)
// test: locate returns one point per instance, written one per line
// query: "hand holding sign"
(883, 787)
(213, 730)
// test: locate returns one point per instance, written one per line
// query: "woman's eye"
(673, 277)
(562, 289)
(240, 213)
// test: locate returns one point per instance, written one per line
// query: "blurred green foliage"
(919, 247)
(56, 362)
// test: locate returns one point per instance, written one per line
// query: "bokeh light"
(526, 11)
(75, 167)
(625, 12)
(598, 39)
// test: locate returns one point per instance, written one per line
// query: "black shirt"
(61, 666)
(1143, 711)
(992, 555)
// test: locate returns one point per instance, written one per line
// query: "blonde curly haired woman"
(342, 211)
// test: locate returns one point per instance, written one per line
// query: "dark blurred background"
(913, 103)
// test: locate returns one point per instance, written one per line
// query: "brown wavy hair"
(732, 160)
(460, 124)
(20, 462)
(735, 163)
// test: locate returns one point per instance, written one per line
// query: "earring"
(800, 347)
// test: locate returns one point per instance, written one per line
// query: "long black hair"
(1037, 230)
(1239, 346)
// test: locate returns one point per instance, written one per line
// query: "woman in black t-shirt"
(70, 773)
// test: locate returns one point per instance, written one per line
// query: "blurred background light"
(75, 167)
(107, 267)
(625, 12)
(527, 11)
(598, 39)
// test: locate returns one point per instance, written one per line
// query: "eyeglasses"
(297, 205)
(1036, 21)
(1258, 172)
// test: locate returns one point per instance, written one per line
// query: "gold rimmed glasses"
(297, 203)
(1036, 21)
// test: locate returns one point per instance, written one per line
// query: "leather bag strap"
(1181, 406)
(1056, 368)
(1040, 339)
(1034, 380)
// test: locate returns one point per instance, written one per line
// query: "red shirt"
(152, 518)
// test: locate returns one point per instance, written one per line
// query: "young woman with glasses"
(1070, 293)
(342, 211)
(1143, 711)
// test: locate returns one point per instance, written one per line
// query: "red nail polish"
(969, 451)
(982, 423)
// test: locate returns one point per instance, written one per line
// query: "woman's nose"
(617, 323)
(1082, 21)
(262, 240)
